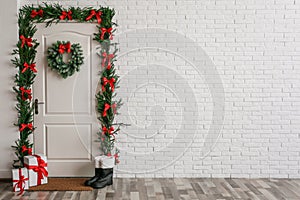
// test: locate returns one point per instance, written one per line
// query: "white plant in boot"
(104, 162)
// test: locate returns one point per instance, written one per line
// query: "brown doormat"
(63, 184)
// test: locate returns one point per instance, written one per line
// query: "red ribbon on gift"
(65, 14)
(29, 150)
(23, 126)
(23, 92)
(111, 82)
(27, 66)
(96, 14)
(106, 30)
(64, 47)
(39, 169)
(20, 183)
(106, 108)
(107, 57)
(35, 13)
(26, 41)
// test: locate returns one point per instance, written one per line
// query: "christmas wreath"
(55, 58)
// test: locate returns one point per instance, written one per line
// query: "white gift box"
(104, 162)
(37, 169)
(20, 179)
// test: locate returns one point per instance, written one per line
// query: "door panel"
(56, 149)
(70, 86)
(67, 121)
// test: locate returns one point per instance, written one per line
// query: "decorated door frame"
(24, 61)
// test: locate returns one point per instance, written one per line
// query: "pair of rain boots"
(102, 178)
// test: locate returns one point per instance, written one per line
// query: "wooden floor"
(179, 188)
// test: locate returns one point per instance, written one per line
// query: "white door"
(66, 122)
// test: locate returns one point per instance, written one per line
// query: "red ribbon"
(106, 30)
(65, 14)
(109, 131)
(31, 66)
(23, 92)
(20, 183)
(29, 150)
(103, 88)
(64, 47)
(26, 41)
(96, 14)
(107, 57)
(111, 82)
(40, 169)
(117, 158)
(106, 108)
(34, 13)
(23, 126)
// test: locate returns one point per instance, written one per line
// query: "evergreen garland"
(24, 61)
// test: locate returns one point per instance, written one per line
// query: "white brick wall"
(255, 47)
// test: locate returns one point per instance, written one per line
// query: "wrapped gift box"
(20, 179)
(37, 169)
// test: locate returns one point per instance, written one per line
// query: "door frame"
(28, 16)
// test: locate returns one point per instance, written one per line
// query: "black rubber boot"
(107, 179)
(98, 175)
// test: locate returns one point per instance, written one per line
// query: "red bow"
(26, 41)
(108, 154)
(94, 13)
(106, 108)
(23, 126)
(20, 183)
(110, 82)
(107, 57)
(109, 131)
(24, 91)
(65, 14)
(64, 47)
(106, 30)
(40, 169)
(31, 66)
(29, 150)
(34, 13)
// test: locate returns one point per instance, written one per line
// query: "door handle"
(36, 106)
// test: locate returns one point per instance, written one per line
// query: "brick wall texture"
(210, 88)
